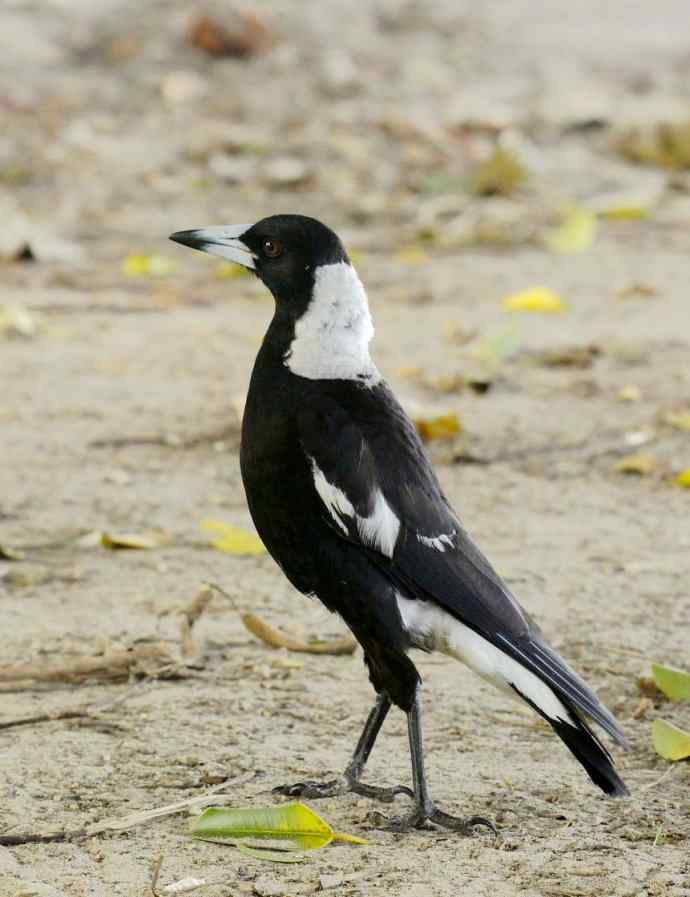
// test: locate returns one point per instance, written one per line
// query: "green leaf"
(674, 683)
(233, 540)
(670, 742)
(294, 824)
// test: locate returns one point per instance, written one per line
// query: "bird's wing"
(380, 492)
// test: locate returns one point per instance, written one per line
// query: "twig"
(123, 823)
(170, 440)
(190, 649)
(146, 660)
(80, 711)
(155, 872)
(277, 639)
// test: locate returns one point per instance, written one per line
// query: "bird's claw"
(316, 790)
(431, 820)
(313, 790)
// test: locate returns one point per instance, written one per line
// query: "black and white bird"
(345, 499)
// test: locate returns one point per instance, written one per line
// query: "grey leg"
(350, 780)
(425, 813)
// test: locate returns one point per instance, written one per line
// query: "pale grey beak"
(223, 241)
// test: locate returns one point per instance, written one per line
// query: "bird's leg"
(350, 780)
(426, 814)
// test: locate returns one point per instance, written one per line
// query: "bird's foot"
(432, 819)
(316, 790)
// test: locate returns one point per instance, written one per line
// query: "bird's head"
(284, 251)
(320, 299)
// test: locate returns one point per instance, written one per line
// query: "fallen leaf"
(145, 540)
(17, 320)
(639, 463)
(637, 291)
(629, 393)
(249, 36)
(575, 233)
(10, 554)
(670, 742)
(271, 856)
(412, 255)
(675, 684)
(625, 212)
(499, 175)
(231, 271)
(444, 426)
(147, 265)
(679, 420)
(277, 639)
(493, 350)
(295, 826)
(568, 357)
(233, 540)
(683, 478)
(666, 144)
(537, 299)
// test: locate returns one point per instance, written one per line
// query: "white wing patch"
(437, 542)
(379, 530)
(332, 337)
(433, 628)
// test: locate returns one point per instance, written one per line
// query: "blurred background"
(512, 180)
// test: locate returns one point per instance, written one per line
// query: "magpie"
(345, 499)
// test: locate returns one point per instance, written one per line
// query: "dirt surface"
(119, 413)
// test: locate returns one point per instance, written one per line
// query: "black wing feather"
(387, 455)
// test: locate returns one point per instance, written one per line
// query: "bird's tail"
(591, 753)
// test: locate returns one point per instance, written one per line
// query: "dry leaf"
(568, 357)
(639, 463)
(151, 265)
(412, 255)
(629, 393)
(231, 271)
(145, 540)
(679, 420)
(277, 639)
(17, 320)
(250, 36)
(445, 426)
(670, 742)
(233, 540)
(575, 233)
(683, 478)
(637, 291)
(536, 299)
(500, 175)
(10, 554)
(666, 144)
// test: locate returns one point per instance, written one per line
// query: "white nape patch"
(433, 628)
(379, 530)
(332, 337)
(437, 542)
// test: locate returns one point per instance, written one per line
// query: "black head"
(283, 250)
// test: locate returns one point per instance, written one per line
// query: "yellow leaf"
(575, 233)
(670, 742)
(143, 265)
(683, 478)
(294, 825)
(538, 299)
(680, 420)
(412, 255)
(625, 212)
(445, 426)
(17, 320)
(674, 683)
(500, 175)
(233, 540)
(145, 540)
(639, 463)
(231, 271)
(629, 393)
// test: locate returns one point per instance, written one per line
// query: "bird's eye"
(272, 248)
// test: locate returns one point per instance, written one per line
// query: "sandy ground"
(117, 133)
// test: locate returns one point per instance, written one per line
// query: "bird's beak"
(223, 241)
